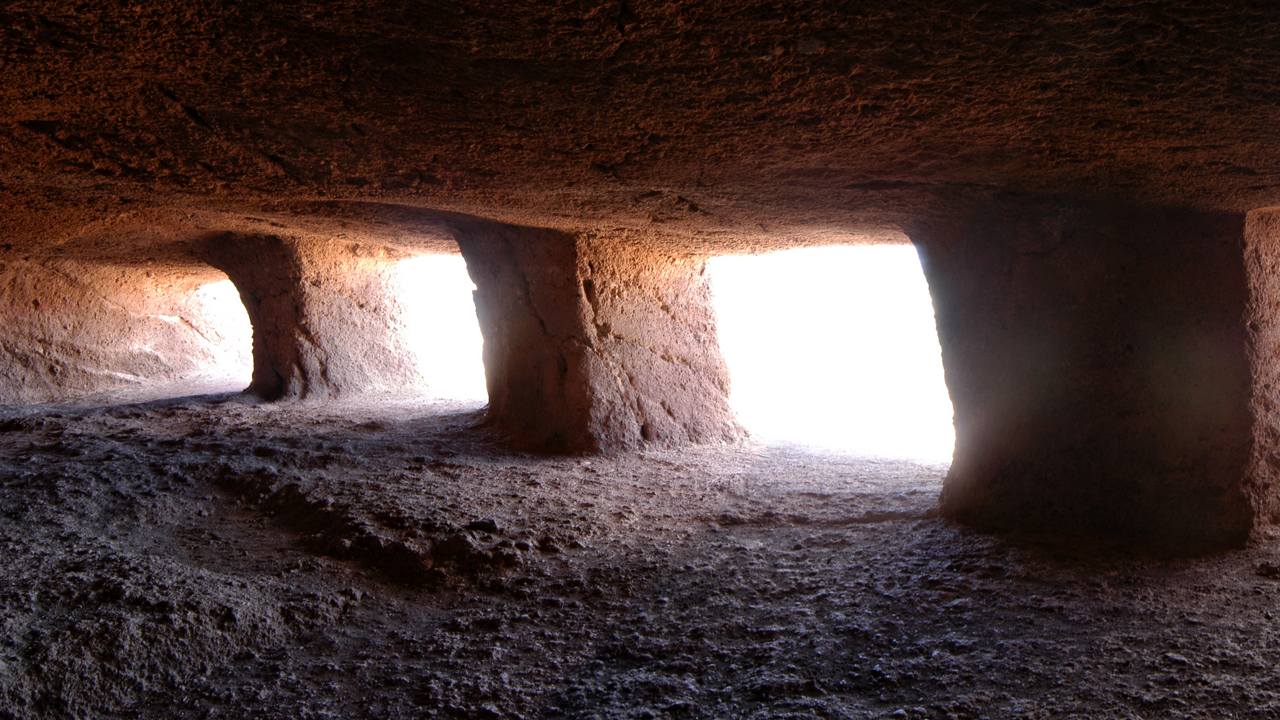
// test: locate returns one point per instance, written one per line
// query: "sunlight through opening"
(219, 315)
(435, 293)
(835, 348)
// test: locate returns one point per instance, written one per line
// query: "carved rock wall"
(1262, 322)
(325, 316)
(74, 329)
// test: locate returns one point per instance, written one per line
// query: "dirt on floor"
(213, 557)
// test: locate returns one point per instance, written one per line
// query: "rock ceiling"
(721, 122)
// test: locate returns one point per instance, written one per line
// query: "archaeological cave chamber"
(238, 475)
(1110, 366)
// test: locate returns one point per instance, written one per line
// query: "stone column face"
(1099, 366)
(534, 351)
(595, 345)
(1262, 316)
(326, 322)
(655, 365)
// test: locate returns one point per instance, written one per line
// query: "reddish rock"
(71, 329)
(596, 344)
(325, 317)
(1100, 368)
(1110, 356)
(1262, 323)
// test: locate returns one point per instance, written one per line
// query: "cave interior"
(258, 461)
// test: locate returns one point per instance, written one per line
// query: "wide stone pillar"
(595, 344)
(326, 322)
(1106, 369)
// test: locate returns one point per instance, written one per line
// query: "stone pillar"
(1262, 318)
(595, 344)
(1101, 370)
(326, 322)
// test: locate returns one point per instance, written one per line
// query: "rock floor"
(210, 557)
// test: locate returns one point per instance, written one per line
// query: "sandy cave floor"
(214, 557)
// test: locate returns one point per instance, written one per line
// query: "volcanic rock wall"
(325, 316)
(1098, 362)
(1262, 322)
(73, 329)
(593, 344)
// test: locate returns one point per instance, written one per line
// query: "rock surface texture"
(71, 329)
(1093, 187)
(389, 562)
(1100, 365)
(731, 120)
(1262, 320)
(595, 344)
(325, 316)
(1108, 345)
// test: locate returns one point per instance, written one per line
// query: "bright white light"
(221, 318)
(835, 348)
(441, 330)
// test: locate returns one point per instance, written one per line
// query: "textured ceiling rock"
(720, 122)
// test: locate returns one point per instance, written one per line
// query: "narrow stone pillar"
(1262, 316)
(1101, 370)
(594, 344)
(326, 322)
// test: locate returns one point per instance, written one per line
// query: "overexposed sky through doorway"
(225, 324)
(835, 348)
(435, 293)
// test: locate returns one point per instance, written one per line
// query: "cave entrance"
(835, 348)
(216, 313)
(435, 294)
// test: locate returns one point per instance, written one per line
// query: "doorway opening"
(435, 294)
(835, 348)
(161, 333)
(217, 313)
